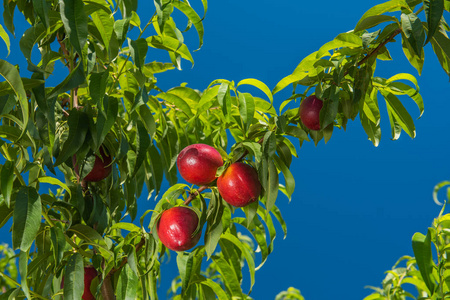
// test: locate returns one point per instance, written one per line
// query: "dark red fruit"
(176, 226)
(89, 274)
(102, 167)
(198, 163)
(309, 112)
(239, 184)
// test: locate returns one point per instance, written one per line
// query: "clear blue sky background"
(355, 207)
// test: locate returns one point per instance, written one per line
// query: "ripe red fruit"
(102, 167)
(176, 226)
(239, 184)
(89, 274)
(309, 112)
(198, 163)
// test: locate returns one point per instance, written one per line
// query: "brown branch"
(374, 51)
(195, 194)
(397, 31)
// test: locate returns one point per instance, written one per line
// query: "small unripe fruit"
(176, 226)
(310, 111)
(239, 184)
(198, 163)
(102, 167)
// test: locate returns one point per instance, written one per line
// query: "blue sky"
(355, 207)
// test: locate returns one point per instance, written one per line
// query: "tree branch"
(195, 194)
(374, 51)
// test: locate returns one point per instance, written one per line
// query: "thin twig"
(374, 51)
(125, 259)
(195, 194)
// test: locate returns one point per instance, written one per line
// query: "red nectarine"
(102, 167)
(198, 163)
(309, 112)
(176, 226)
(239, 184)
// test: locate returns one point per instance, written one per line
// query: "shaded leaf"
(27, 218)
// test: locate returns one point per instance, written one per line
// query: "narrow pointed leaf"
(75, 22)
(74, 278)
(27, 218)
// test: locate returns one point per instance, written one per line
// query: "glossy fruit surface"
(176, 226)
(310, 111)
(89, 274)
(102, 167)
(239, 184)
(198, 163)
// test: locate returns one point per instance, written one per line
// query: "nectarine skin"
(102, 167)
(239, 184)
(176, 226)
(198, 163)
(310, 111)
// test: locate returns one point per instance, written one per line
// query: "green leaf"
(271, 191)
(347, 39)
(288, 177)
(142, 144)
(441, 46)
(416, 60)
(5, 214)
(73, 80)
(156, 67)
(412, 29)
(193, 17)
(224, 98)
(27, 218)
(78, 127)
(400, 113)
(23, 271)
(106, 121)
(330, 108)
(389, 6)
(246, 109)
(299, 73)
(434, 9)
(127, 284)
(258, 84)
(89, 235)
(178, 102)
(246, 252)
(138, 52)
(41, 9)
(12, 76)
(7, 180)
(5, 38)
(97, 85)
(220, 293)
(228, 276)
(170, 44)
(54, 181)
(422, 251)
(73, 278)
(372, 129)
(58, 243)
(104, 22)
(373, 21)
(75, 21)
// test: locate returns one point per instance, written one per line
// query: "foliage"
(8, 267)
(427, 274)
(110, 98)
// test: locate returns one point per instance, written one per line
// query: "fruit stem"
(195, 194)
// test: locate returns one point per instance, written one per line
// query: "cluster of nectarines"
(238, 185)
